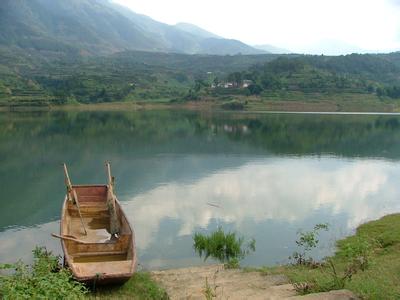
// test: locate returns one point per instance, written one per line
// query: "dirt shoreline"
(216, 282)
(254, 105)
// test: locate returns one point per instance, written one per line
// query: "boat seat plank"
(92, 199)
(90, 190)
(104, 253)
(92, 269)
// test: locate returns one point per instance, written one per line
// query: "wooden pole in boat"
(73, 195)
(114, 224)
(69, 238)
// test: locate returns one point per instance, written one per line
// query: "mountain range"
(272, 49)
(101, 27)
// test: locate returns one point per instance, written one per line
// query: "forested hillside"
(31, 78)
(355, 73)
(87, 51)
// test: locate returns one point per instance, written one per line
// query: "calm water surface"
(263, 176)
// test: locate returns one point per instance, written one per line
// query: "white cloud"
(297, 25)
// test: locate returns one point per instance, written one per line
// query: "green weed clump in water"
(44, 279)
(225, 247)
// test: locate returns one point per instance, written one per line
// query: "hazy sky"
(312, 26)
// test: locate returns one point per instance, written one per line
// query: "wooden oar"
(74, 195)
(114, 226)
(69, 238)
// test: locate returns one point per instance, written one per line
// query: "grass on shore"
(46, 279)
(377, 245)
(139, 287)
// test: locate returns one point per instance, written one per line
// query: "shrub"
(357, 252)
(255, 89)
(44, 279)
(233, 105)
(306, 242)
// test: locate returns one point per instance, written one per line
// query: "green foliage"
(233, 105)
(192, 95)
(254, 89)
(41, 80)
(226, 247)
(100, 27)
(357, 252)
(236, 78)
(385, 231)
(356, 255)
(209, 291)
(360, 74)
(366, 263)
(125, 76)
(339, 281)
(390, 91)
(306, 242)
(233, 263)
(45, 279)
(139, 287)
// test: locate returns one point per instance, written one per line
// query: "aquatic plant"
(227, 248)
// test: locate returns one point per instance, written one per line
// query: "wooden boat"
(96, 237)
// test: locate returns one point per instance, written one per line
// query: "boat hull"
(96, 257)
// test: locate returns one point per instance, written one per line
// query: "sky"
(302, 26)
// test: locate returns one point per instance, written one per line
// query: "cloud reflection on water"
(17, 243)
(279, 189)
(269, 199)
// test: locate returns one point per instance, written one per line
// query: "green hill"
(89, 51)
(98, 27)
(355, 73)
(28, 77)
(31, 78)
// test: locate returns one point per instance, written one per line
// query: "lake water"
(264, 176)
